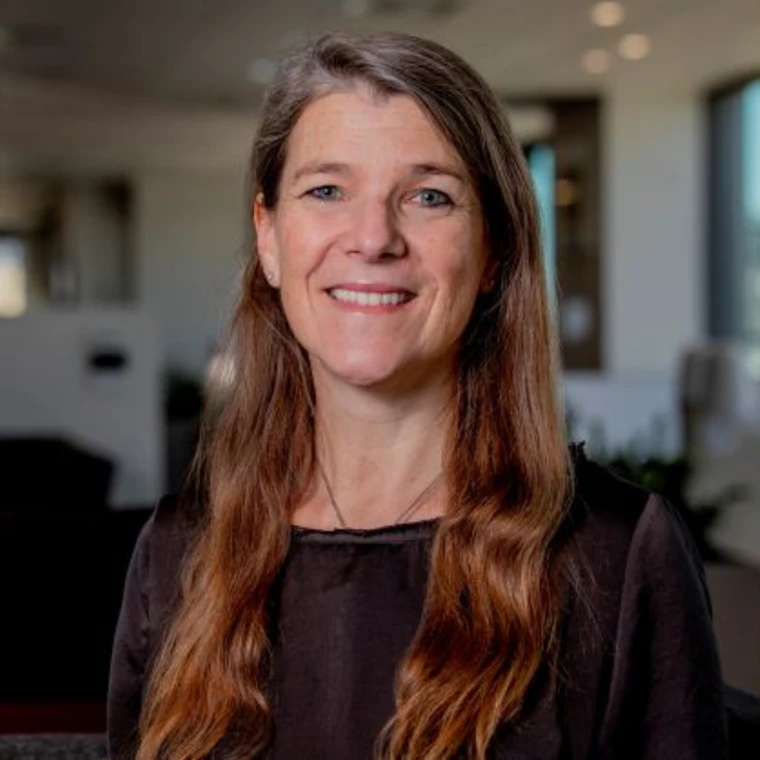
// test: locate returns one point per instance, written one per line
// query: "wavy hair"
(494, 598)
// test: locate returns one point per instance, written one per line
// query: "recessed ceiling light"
(608, 13)
(262, 70)
(596, 61)
(634, 47)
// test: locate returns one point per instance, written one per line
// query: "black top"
(642, 681)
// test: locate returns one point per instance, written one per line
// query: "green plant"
(669, 477)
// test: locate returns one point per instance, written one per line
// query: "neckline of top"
(383, 534)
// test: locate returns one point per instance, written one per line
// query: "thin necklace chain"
(405, 515)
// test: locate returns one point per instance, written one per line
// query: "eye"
(432, 198)
(324, 193)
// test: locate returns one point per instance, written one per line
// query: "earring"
(269, 275)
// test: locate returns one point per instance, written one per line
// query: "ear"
(266, 240)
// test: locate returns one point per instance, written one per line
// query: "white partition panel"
(93, 377)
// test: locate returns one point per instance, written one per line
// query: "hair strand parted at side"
(493, 602)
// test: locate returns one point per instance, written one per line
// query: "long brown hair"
(494, 595)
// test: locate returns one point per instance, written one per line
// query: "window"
(541, 164)
(734, 251)
(12, 276)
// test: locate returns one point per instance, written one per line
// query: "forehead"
(359, 127)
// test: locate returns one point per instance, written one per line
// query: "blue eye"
(324, 192)
(433, 198)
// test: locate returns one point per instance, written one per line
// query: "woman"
(392, 551)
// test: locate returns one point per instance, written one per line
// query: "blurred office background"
(124, 134)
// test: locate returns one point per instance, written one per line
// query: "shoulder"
(167, 530)
(611, 517)
(172, 523)
(151, 590)
(159, 554)
(605, 506)
(629, 542)
(638, 642)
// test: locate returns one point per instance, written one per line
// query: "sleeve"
(666, 690)
(129, 654)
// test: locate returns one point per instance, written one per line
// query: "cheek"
(458, 276)
(302, 248)
(289, 243)
(300, 255)
(461, 272)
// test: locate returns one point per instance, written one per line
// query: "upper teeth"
(367, 299)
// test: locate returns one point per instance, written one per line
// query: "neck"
(378, 454)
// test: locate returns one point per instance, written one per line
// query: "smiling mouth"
(365, 298)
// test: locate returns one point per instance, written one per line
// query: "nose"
(374, 231)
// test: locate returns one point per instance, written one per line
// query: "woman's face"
(376, 241)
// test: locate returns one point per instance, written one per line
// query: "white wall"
(613, 412)
(653, 229)
(189, 240)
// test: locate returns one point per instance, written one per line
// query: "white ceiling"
(199, 50)
(141, 61)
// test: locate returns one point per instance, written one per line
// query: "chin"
(362, 371)
(363, 376)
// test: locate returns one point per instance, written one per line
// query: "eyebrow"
(321, 167)
(425, 170)
(338, 167)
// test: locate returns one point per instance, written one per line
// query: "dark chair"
(61, 581)
(52, 474)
